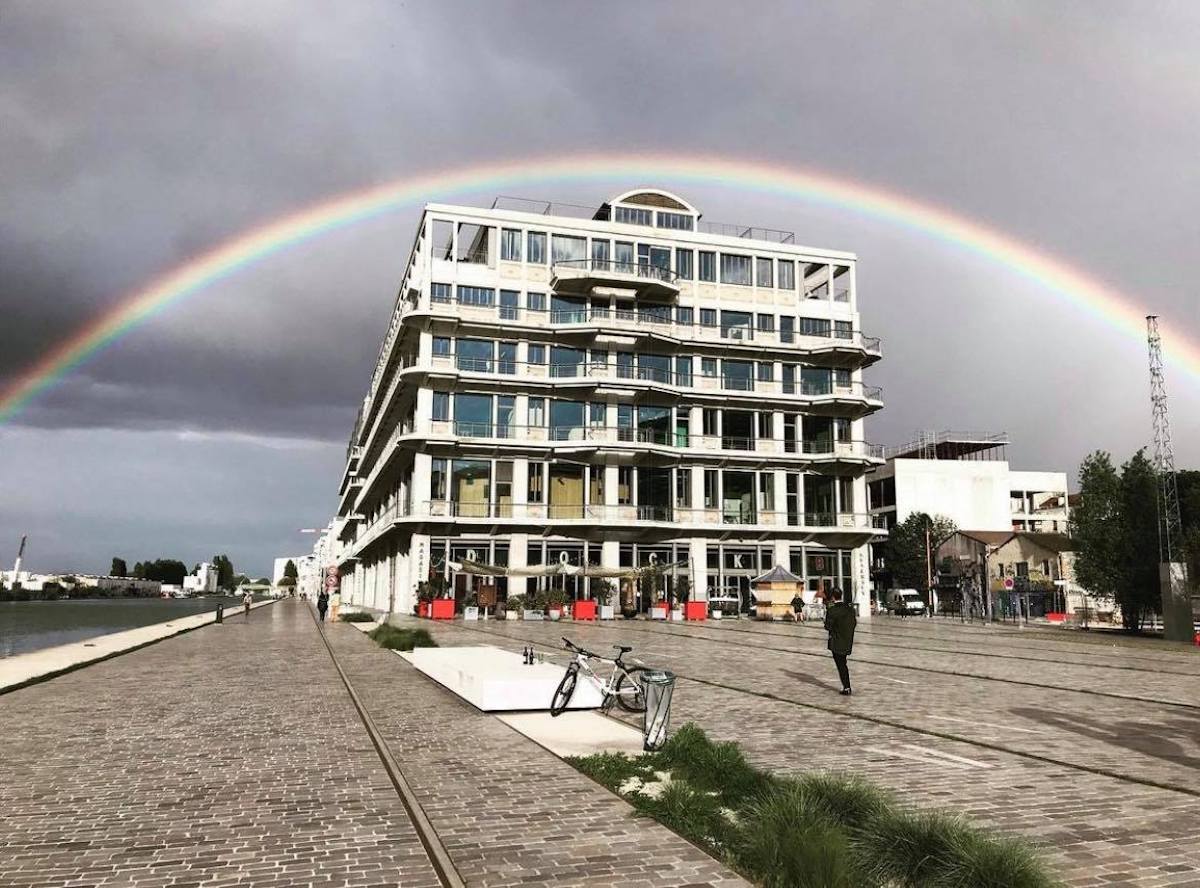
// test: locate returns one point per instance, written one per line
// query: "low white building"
(203, 581)
(281, 565)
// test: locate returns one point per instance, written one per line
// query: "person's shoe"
(845, 692)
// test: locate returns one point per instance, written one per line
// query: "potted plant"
(692, 610)
(513, 606)
(534, 606)
(556, 600)
(602, 592)
(653, 580)
(628, 609)
(424, 597)
(471, 606)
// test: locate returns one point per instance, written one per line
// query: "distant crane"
(1176, 599)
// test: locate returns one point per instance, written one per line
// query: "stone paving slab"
(1098, 829)
(227, 756)
(508, 811)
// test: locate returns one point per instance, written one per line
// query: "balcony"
(579, 277)
(842, 348)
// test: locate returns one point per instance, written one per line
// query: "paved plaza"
(234, 755)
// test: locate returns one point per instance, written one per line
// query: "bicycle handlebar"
(571, 646)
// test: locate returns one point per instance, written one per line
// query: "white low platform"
(496, 680)
(576, 733)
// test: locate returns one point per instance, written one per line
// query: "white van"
(905, 601)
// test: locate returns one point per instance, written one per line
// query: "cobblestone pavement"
(234, 756)
(1089, 747)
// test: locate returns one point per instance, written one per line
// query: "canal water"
(31, 625)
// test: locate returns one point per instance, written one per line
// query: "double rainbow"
(1057, 277)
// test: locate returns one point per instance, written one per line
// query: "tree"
(262, 581)
(240, 580)
(905, 551)
(287, 582)
(165, 570)
(1096, 526)
(139, 571)
(289, 570)
(118, 568)
(225, 573)
(1139, 594)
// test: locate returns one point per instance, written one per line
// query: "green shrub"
(396, 639)
(356, 617)
(850, 800)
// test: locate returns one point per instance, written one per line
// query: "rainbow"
(1058, 277)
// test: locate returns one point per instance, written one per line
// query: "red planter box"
(585, 610)
(443, 609)
(1056, 617)
(422, 608)
(695, 610)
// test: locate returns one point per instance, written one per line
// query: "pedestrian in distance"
(322, 605)
(247, 600)
(798, 607)
(840, 621)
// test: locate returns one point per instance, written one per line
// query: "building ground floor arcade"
(384, 577)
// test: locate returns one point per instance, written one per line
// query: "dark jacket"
(322, 601)
(840, 621)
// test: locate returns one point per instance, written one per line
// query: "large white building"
(607, 388)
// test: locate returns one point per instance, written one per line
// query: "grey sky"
(135, 134)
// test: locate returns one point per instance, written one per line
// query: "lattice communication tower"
(1169, 524)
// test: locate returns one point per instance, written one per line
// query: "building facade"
(611, 388)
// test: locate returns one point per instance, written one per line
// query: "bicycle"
(622, 687)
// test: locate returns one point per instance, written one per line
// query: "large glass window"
(787, 274)
(766, 323)
(818, 501)
(441, 406)
(736, 325)
(566, 420)
(439, 292)
(504, 489)
(656, 368)
(708, 266)
(654, 494)
(708, 317)
(763, 275)
(510, 305)
(536, 302)
(476, 295)
(537, 412)
(567, 362)
(787, 328)
(510, 245)
(683, 263)
(737, 375)
(441, 346)
(537, 247)
(567, 309)
(474, 243)
(536, 489)
(815, 381)
(684, 315)
(737, 502)
(683, 488)
(814, 326)
(683, 370)
(843, 330)
(735, 269)
(442, 239)
(437, 479)
(654, 424)
(632, 215)
(737, 430)
(766, 491)
(470, 487)
(600, 252)
(624, 485)
(789, 379)
(475, 355)
(473, 415)
(566, 490)
(568, 249)
(624, 257)
(506, 411)
(537, 353)
(675, 221)
(506, 358)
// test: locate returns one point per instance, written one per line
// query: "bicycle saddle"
(622, 648)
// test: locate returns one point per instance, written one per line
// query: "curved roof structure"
(654, 197)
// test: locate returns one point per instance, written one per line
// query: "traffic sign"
(1008, 583)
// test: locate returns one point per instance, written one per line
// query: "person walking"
(247, 600)
(322, 605)
(840, 621)
(798, 608)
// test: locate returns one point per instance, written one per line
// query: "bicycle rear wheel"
(629, 693)
(566, 687)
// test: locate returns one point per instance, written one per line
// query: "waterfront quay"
(237, 754)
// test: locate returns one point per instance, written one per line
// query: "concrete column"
(860, 568)
(422, 469)
(698, 567)
(1176, 602)
(610, 485)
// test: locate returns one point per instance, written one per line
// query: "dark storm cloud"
(134, 135)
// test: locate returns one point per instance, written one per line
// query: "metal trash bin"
(220, 611)
(657, 687)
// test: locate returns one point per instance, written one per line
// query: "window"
(624, 485)
(708, 366)
(599, 358)
(708, 317)
(597, 412)
(683, 370)
(735, 269)
(537, 482)
(789, 379)
(437, 479)
(787, 275)
(766, 323)
(566, 420)
(683, 264)
(625, 420)
(536, 301)
(624, 365)
(710, 421)
(710, 488)
(537, 354)
(683, 488)
(765, 425)
(632, 216)
(763, 272)
(737, 325)
(439, 292)
(814, 327)
(441, 345)
(476, 295)
(684, 315)
(475, 355)
(675, 221)
(537, 247)
(506, 410)
(567, 362)
(441, 406)
(473, 415)
(510, 305)
(766, 371)
(843, 330)
(787, 328)
(537, 412)
(507, 358)
(624, 257)
(504, 494)
(737, 376)
(793, 498)
(473, 243)
(510, 245)
(568, 249)
(708, 265)
(600, 252)
(443, 240)
(766, 491)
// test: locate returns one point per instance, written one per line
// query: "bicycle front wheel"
(629, 693)
(566, 687)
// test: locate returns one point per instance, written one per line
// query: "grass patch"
(396, 639)
(356, 617)
(815, 831)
